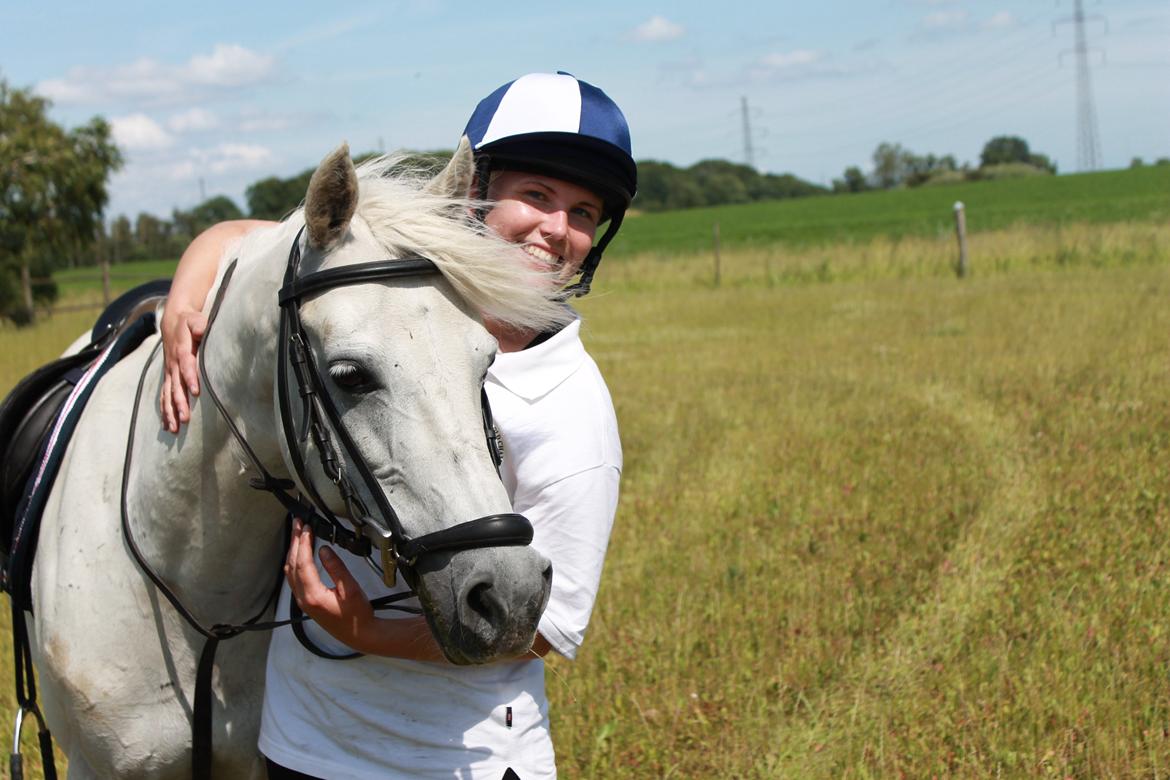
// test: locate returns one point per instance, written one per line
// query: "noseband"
(379, 531)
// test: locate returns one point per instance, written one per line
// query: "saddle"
(39, 416)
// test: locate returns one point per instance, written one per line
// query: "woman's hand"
(183, 323)
(343, 610)
(182, 330)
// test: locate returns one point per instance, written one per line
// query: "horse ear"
(331, 199)
(454, 181)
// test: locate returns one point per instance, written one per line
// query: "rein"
(396, 549)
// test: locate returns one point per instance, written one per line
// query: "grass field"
(906, 528)
(879, 522)
(1142, 194)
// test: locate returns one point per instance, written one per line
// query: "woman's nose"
(556, 225)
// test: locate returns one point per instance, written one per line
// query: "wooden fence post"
(961, 232)
(26, 289)
(717, 269)
(105, 281)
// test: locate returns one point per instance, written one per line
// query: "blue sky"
(206, 98)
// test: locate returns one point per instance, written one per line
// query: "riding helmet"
(560, 126)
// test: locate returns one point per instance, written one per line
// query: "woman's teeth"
(542, 255)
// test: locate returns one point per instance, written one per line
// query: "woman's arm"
(183, 321)
(345, 612)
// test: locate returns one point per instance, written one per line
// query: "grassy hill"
(1110, 196)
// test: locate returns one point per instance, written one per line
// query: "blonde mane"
(493, 276)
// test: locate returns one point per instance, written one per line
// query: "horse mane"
(492, 275)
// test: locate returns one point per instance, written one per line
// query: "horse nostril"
(483, 601)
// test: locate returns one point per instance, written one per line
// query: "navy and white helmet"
(560, 126)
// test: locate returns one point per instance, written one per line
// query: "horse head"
(397, 364)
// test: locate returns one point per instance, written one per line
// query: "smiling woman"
(551, 165)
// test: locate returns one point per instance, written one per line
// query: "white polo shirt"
(389, 718)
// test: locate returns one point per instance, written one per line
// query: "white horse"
(117, 663)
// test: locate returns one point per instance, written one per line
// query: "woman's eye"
(586, 214)
(536, 195)
(349, 376)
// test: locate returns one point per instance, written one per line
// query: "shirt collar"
(534, 372)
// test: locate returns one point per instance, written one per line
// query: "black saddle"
(30, 412)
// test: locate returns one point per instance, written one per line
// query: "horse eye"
(349, 376)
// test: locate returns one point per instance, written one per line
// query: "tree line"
(1004, 156)
(53, 194)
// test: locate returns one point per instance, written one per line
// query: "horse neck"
(215, 540)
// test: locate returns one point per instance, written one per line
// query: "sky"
(206, 98)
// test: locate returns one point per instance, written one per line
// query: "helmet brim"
(591, 163)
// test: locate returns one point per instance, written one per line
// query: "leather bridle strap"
(320, 416)
(201, 744)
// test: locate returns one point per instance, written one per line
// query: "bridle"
(381, 532)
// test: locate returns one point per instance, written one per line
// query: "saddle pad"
(17, 566)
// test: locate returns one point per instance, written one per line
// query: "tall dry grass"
(912, 257)
(896, 525)
(893, 528)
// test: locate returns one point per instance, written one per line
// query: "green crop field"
(877, 521)
(1141, 194)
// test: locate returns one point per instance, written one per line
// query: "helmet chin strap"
(593, 259)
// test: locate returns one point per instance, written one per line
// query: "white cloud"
(266, 123)
(1001, 20)
(796, 58)
(658, 28)
(183, 170)
(144, 77)
(945, 20)
(138, 132)
(192, 120)
(228, 66)
(63, 91)
(229, 157)
(225, 158)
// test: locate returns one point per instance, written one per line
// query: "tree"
(52, 191)
(220, 208)
(121, 239)
(273, 198)
(852, 180)
(152, 237)
(1005, 149)
(662, 186)
(1041, 161)
(892, 165)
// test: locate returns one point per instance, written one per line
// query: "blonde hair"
(493, 276)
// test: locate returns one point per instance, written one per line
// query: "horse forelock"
(493, 276)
